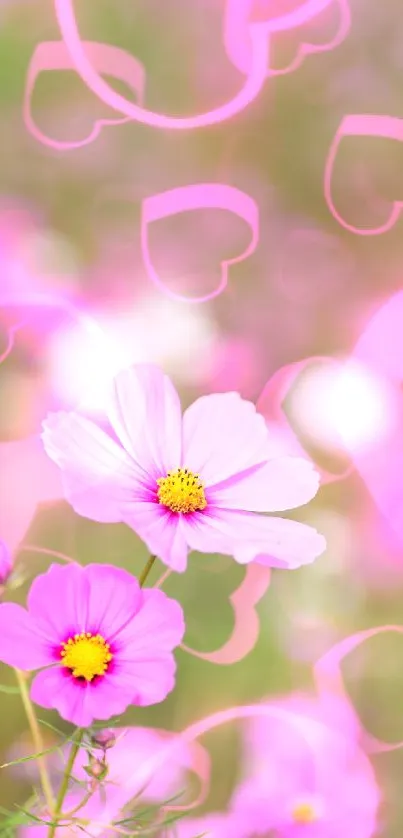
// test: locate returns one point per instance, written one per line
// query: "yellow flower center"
(181, 491)
(87, 655)
(304, 813)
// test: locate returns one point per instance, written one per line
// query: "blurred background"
(77, 303)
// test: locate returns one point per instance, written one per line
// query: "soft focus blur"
(79, 300)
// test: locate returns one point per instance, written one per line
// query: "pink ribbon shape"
(87, 71)
(330, 682)
(54, 55)
(308, 729)
(246, 629)
(362, 125)
(194, 197)
(237, 31)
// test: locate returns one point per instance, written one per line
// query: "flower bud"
(104, 739)
(97, 768)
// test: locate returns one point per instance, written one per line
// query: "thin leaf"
(30, 757)
(9, 689)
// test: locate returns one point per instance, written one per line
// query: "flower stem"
(65, 781)
(146, 569)
(37, 739)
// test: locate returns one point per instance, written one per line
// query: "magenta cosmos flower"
(104, 641)
(195, 482)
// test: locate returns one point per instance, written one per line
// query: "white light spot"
(343, 406)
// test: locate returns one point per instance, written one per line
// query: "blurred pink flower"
(306, 781)
(105, 642)
(127, 777)
(213, 825)
(28, 479)
(5, 563)
(185, 484)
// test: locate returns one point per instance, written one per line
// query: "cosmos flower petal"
(22, 642)
(98, 475)
(162, 532)
(5, 562)
(110, 696)
(58, 601)
(145, 413)
(155, 782)
(55, 688)
(114, 597)
(223, 435)
(150, 680)
(279, 484)
(213, 825)
(276, 542)
(158, 627)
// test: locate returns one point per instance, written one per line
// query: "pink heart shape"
(246, 626)
(240, 35)
(54, 56)
(362, 125)
(64, 10)
(194, 197)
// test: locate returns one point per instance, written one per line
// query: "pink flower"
(127, 777)
(309, 781)
(193, 483)
(106, 643)
(212, 825)
(5, 563)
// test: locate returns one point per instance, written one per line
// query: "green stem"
(146, 569)
(37, 739)
(65, 782)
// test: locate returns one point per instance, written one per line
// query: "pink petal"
(162, 532)
(145, 413)
(98, 475)
(5, 562)
(110, 696)
(276, 542)
(212, 825)
(149, 680)
(22, 643)
(114, 597)
(58, 601)
(56, 689)
(158, 627)
(156, 782)
(280, 484)
(223, 435)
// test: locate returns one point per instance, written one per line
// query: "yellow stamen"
(181, 491)
(86, 654)
(304, 813)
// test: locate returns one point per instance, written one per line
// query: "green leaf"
(30, 757)
(8, 689)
